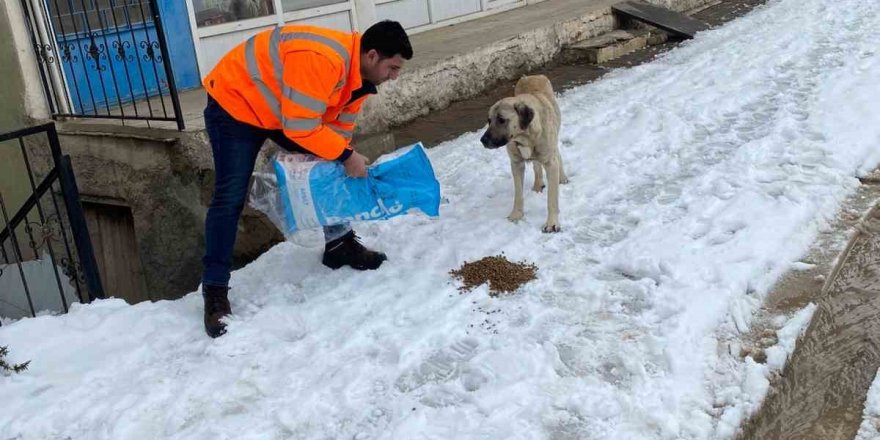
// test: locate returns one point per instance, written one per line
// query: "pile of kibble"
(503, 276)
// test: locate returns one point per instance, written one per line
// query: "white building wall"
(36, 105)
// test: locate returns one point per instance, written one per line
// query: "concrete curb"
(867, 227)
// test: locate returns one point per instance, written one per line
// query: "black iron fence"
(46, 256)
(104, 59)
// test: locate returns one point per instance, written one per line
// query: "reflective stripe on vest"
(290, 93)
(301, 124)
(254, 72)
(347, 117)
(341, 131)
(305, 100)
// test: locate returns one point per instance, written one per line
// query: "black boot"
(348, 251)
(216, 307)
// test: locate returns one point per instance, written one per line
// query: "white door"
(410, 13)
(492, 4)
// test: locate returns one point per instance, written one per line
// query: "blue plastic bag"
(315, 193)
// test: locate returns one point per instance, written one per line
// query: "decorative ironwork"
(96, 52)
(151, 49)
(66, 55)
(121, 47)
(44, 54)
(126, 42)
(50, 231)
(73, 271)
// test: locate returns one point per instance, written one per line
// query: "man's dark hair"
(388, 38)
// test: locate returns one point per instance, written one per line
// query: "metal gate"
(104, 59)
(46, 256)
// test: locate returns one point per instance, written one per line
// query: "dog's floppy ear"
(526, 114)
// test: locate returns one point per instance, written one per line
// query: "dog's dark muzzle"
(491, 143)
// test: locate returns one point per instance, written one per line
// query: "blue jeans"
(235, 146)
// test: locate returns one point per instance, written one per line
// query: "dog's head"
(507, 118)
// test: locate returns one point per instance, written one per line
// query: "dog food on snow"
(502, 275)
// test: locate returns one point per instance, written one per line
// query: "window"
(211, 12)
(87, 16)
(296, 5)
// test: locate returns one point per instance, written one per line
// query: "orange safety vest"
(294, 78)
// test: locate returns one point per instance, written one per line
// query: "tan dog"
(528, 123)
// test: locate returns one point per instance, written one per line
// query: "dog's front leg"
(553, 169)
(518, 169)
(539, 177)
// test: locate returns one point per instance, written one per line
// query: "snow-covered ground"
(696, 181)
(870, 428)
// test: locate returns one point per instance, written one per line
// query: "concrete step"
(666, 19)
(611, 45)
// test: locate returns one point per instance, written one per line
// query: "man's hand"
(356, 165)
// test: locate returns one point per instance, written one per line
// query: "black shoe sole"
(215, 333)
(334, 266)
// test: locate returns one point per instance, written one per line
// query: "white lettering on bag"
(376, 213)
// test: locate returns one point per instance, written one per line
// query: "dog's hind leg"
(539, 177)
(518, 169)
(563, 178)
